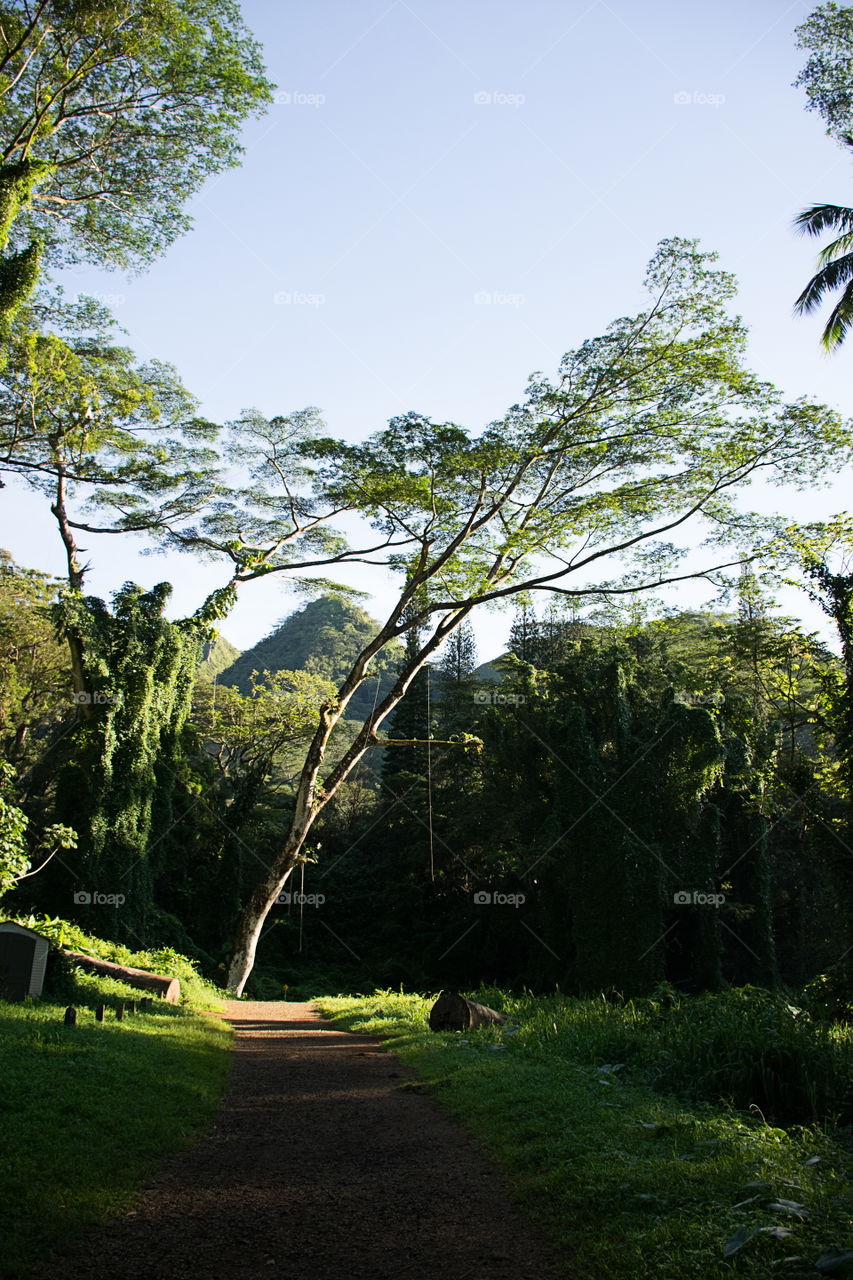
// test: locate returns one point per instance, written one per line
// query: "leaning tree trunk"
(311, 798)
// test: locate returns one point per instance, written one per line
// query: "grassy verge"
(195, 990)
(88, 1112)
(630, 1174)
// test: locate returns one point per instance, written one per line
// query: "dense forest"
(613, 803)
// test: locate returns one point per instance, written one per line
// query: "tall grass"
(748, 1047)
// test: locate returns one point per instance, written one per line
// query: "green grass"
(608, 1149)
(87, 1113)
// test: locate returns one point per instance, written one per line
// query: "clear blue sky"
(387, 199)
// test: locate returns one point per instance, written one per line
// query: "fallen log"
(166, 988)
(452, 1012)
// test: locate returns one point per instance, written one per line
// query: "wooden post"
(99, 1013)
(131, 1006)
(119, 1011)
(71, 1016)
(145, 1004)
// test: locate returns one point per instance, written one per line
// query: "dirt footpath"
(323, 1164)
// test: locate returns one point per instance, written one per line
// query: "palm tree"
(835, 264)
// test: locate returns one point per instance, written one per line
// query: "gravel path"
(327, 1161)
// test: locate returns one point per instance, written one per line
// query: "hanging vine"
(116, 784)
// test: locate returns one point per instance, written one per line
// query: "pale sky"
(450, 194)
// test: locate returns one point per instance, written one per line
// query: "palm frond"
(825, 217)
(835, 275)
(840, 321)
(836, 249)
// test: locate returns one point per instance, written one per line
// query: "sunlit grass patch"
(631, 1175)
(88, 1112)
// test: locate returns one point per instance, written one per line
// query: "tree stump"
(71, 1016)
(452, 1012)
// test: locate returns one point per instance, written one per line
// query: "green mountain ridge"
(324, 636)
(217, 655)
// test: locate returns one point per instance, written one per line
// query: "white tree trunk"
(311, 800)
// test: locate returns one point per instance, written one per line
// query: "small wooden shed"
(23, 957)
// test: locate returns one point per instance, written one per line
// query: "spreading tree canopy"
(646, 430)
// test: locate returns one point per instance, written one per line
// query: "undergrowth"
(635, 1131)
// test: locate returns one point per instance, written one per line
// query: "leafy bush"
(829, 996)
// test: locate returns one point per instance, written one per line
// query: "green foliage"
(650, 426)
(86, 425)
(36, 692)
(675, 757)
(216, 656)
(119, 767)
(827, 77)
(119, 112)
(835, 270)
(249, 732)
(18, 271)
(630, 1180)
(17, 846)
(14, 854)
(459, 658)
(829, 995)
(827, 37)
